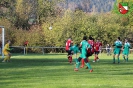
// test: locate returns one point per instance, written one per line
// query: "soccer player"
(108, 49)
(117, 49)
(126, 49)
(75, 50)
(97, 48)
(68, 45)
(84, 47)
(26, 43)
(90, 51)
(6, 52)
(91, 42)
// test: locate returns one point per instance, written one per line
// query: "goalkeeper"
(6, 52)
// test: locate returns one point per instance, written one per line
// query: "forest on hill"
(90, 5)
(29, 20)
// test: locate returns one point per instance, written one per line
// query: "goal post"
(2, 39)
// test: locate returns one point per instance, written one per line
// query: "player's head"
(97, 40)
(69, 38)
(118, 38)
(126, 40)
(85, 38)
(72, 43)
(8, 41)
(90, 37)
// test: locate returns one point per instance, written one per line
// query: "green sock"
(118, 60)
(127, 59)
(88, 65)
(124, 57)
(77, 64)
(76, 60)
(113, 60)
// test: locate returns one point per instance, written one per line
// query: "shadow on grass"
(35, 54)
(61, 61)
(34, 62)
(26, 61)
(109, 61)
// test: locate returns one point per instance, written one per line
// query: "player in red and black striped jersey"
(97, 48)
(91, 42)
(68, 45)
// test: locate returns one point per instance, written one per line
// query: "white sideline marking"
(16, 56)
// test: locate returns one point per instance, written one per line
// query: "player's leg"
(127, 58)
(117, 55)
(88, 64)
(9, 56)
(124, 57)
(82, 63)
(114, 57)
(6, 56)
(87, 61)
(127, 53)
(82, 56)
(95, 56)
(76, 59)
(77, 64)
(69, 56)
(107, 52)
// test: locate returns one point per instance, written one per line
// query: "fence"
(37, 49)
(43, 50)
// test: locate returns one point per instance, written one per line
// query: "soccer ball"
(50, 28)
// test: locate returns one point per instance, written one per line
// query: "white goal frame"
(3, 39)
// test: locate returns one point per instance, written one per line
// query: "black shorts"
(96, 52)
(89, 54)
(69, 52)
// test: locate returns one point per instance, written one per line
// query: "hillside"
(90, 5)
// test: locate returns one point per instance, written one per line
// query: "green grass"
(54, 71)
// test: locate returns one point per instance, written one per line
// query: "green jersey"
(126, 48)
(75, 49)
(84, 46)
(117, 47)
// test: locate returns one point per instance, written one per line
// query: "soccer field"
(54, 71)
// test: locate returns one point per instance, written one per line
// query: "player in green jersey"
(75, 50)
(126, 49)
(84, 47)
(117, 50)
